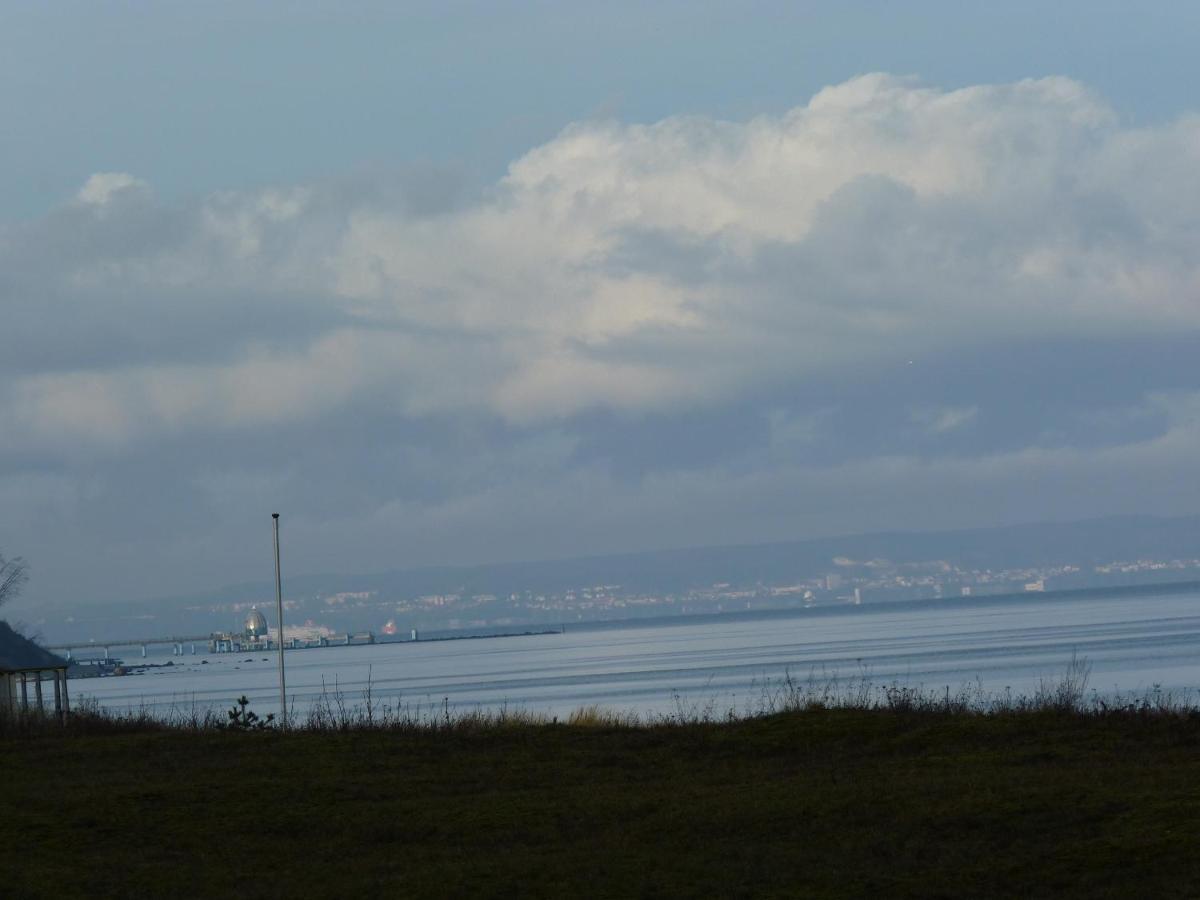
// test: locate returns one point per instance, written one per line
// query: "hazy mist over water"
(1134, 645)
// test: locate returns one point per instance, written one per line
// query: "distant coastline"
(1152, 589)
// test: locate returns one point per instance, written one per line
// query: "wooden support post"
(37, 691)
(24, 694)
(58, 673)
(66, 699)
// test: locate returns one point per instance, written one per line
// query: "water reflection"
(1132, 643)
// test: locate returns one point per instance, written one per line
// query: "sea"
(1131, 644)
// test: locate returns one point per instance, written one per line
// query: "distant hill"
(1090, 542)
(1084, 543)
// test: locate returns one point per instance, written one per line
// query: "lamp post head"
(274, 515)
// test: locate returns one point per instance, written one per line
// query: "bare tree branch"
(13, 574)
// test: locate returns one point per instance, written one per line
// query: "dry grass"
(335, 711)
(909, 796)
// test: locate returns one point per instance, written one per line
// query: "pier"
(217, 642)
(180, 645)
(238, 643)
(247, 642)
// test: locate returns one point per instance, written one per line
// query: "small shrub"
(243, 719)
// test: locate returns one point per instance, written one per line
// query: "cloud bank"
(887, 287)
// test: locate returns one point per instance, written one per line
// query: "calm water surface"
(1133, 644)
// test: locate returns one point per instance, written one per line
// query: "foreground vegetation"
(890, 793)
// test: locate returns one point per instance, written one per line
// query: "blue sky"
(200, 97)
(472, 282)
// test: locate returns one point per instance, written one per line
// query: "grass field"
(825, 802)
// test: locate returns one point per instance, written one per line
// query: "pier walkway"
(215, 643)
(179, 643)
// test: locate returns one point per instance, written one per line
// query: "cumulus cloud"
(821, 290)
(881, 220)
(100, 188)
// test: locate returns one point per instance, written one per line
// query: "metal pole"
(283, 712)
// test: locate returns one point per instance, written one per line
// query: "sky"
(471, 282)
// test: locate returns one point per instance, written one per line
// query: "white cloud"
(944, 419)
(100, 188)
(633, 268)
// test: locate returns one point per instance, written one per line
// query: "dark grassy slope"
(823, 803)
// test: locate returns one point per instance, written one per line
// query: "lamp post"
(283, 711)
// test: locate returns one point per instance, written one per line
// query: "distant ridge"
(1086, 542)
(656, 573)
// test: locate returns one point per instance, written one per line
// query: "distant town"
(847, 582)
(827, 572)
